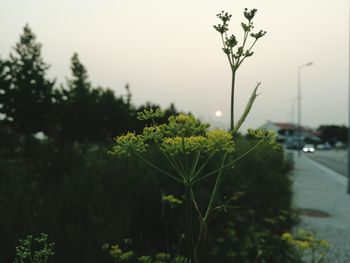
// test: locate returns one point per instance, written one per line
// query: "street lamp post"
(293, 111)
(299, 104)
(348, 189)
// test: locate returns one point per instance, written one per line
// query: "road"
(333, 159)
(319, 189)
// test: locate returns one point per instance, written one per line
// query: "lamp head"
(309, 63)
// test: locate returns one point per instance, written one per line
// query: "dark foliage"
(25, 91)
(88, 114)
(333, 133)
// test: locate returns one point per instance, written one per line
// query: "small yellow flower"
(152, 133)
(287, 237)
(324, 244)
(302, 244)
(172, 200)
(115, 251)
(150, 114)
(302, 233)
(127, 143)
(220, 140)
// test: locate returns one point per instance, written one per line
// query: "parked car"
(324, 146)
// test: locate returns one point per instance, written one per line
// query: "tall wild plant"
(188, 145)
(236, 53)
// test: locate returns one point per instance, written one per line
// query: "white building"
(288, 133)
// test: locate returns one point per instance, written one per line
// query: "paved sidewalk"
(319, 188)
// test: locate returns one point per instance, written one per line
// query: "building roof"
(285, 126)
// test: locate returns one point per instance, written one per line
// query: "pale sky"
(169, 52)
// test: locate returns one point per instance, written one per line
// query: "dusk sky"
(169, 52)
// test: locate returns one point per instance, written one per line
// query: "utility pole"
(299, 104)
(348, 190)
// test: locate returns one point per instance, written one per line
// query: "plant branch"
(228, 56)
(157, 168)
(196, 205)
(228, 164)
(215, 190)
(203, 165)
(173, 163)
(251, 47)
(195, 163)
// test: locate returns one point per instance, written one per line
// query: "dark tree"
(26, 92)
(79, 83)
(77, 103)
(115, 114)
(333, 133)
(89, 114)
(4, 87)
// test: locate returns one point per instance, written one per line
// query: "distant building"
(283, 131)
(288, 133)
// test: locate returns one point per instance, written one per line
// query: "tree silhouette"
(90, 114)
(333, 133)
(74, 104)
(26, 92)
(4, 86)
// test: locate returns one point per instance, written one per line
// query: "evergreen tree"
(75, 104)
(333, 133)
(4, 86)
(79, 84)
(26, 92)
(90, 114)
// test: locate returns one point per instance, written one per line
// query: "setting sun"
(218, 113)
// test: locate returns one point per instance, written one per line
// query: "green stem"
(203, 165)
(202, 236)
(233, 80)
(157, 168)
(193, 197)
(246, 33)
(228, 164)
(184, 155)
(251, 47)
(173, 163)
(195, 163)
(228, 56)
(189, 229)
(215, 190)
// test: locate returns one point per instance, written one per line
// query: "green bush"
(84, 198)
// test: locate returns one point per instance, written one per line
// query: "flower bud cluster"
(213, 141)
(249, 14)
(150, 114)
(126, 144)
(220, 140)
(172, 200)
(264, 135)
(305, 242)
(153, 133)
(224, 17)
(231, 41)
(183, 134)
(258, 35)
(242, 52)
(184, 125)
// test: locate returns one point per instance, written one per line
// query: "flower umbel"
(150, 114)
(306, 243)
(126, 144)
(219, 140)
(267, 136)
